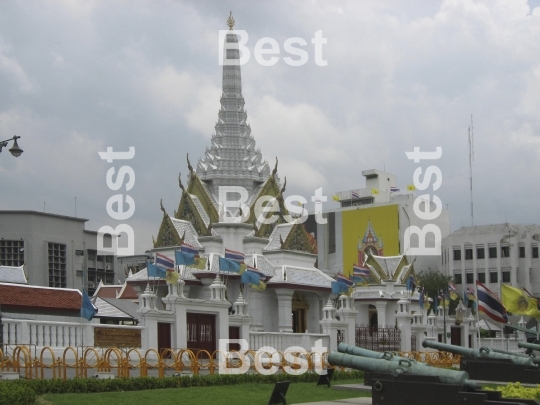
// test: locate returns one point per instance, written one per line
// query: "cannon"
(483, 352)
(358, 351)
(529, 346)
(404, 382)
(489, 365)
(446, 376)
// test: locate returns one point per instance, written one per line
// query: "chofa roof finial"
(180, 183)
(162, 208)
(275, 168)
(190, 168)
(230, 21)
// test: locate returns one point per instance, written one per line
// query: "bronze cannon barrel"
(402, 366)
(531, 346)
(358, 351)
(483, 352)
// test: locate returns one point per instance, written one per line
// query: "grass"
(245, 394)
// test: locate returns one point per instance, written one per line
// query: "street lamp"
(15, 150)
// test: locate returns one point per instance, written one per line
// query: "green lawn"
(245, 394)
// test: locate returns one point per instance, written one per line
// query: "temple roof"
(301, 276)
(395, 268)
(15, 275)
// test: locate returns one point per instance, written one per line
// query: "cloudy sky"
(77, 77)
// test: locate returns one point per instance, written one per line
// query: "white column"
(347, 314)
(255, 309)
(381, 312)
(284, 297)
(404, 318)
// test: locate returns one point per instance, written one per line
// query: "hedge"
(16, 394)
(87, 385)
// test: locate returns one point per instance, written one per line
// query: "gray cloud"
(75, 79)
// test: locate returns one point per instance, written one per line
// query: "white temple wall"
(313, 315)
(362, 317)
(270, 311)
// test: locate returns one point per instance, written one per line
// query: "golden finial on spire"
(230, 21)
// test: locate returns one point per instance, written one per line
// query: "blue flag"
(338, 288)
(435, 303)
(87, 309)
(229, 265)
(155, 271)
(184, 258)
(421, 298)
(249, 277)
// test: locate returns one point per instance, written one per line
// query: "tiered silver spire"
(233, 158)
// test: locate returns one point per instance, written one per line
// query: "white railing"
(282, 341)
(510, 345)
(53, 334)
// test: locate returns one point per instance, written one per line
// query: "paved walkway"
(351, 401)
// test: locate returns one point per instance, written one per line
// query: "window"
(535, 252)
(57, 265)
(99, 258)
(493, 252)
(470, 278)
(457, 278)
(505, 251)
(11, 253)
(457, 254)
(505, 276)
(331, 232)
(493, 277)
(109, 259)
(91, 255)
(522, 251)
(468, 254)
(482, 277)
(480, 253)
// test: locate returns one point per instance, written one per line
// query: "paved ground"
(351, 401)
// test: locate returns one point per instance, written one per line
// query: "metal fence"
(378, 338)
(85, 363)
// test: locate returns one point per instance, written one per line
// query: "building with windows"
(493, 254)
(57, 250)
(374, 219)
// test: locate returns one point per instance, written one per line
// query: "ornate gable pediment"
(300, 240)
(196, 188)
(167, 235)
(187, 211)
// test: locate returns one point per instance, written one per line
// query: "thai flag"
(489, 304)
(164, 262)
(470, 291)
(185, 248)
(361, 271)
(452, 287)
(345, 280)
(355, 195)
(394, 189)
(233, 255)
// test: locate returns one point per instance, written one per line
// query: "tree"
(433, 282)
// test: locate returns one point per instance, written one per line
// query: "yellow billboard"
(373, 229)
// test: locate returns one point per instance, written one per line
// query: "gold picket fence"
(125, 362)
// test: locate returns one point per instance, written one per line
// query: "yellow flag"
(519, 302)
(335, 198)
(260, 286)
(200, 263)
(411, 187)
(172, 277)
(374, 191)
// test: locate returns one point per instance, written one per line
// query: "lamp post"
(15, 150)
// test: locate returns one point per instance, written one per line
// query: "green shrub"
(87, 385)
(13, 394)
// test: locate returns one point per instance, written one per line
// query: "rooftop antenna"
(471, 160)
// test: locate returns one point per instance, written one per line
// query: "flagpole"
(477, 318)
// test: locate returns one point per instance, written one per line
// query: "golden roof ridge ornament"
(230, 21)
